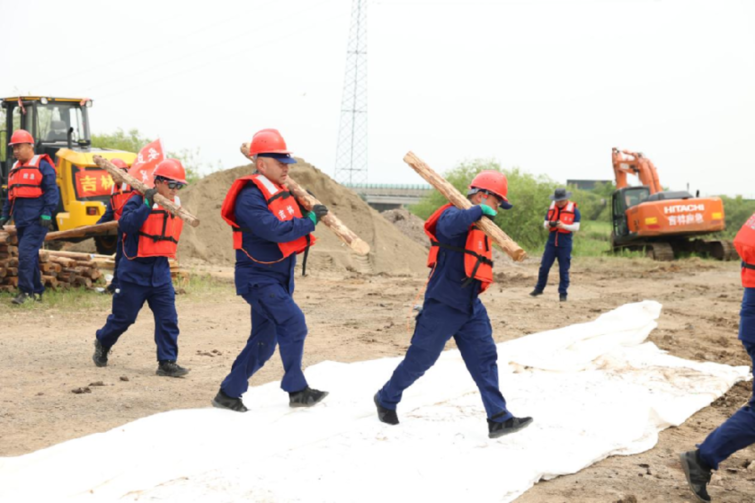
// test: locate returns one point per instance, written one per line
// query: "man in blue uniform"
(738, 431)
(31, 203)
(151, 236)
(121, 193)
(460, 256)
(562, 219)
(269, 231)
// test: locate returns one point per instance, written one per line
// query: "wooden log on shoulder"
(359, 246)
(494, 232)
(123, 177)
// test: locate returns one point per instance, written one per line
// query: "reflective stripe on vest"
(744, 242)
(564, 215)
(280, 202)
(478, 254)
(159, 235)
(25, 180)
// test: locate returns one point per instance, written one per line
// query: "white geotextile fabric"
(594, 390)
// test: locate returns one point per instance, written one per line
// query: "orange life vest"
(158, 236)
(564, 215)
(25, 180)
(280, 202)
(744, 242)
(478, 254)
(118, 199)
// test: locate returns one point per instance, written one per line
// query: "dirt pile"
(391, 251)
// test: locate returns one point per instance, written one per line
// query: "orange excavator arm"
(634, 163)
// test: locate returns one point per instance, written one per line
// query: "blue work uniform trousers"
(551, 253)
(30, 240)
(127, 303)
(436, 324)
(738, 431)
(276, 319)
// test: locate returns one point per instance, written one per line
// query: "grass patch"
(194, 287)
(73, 299)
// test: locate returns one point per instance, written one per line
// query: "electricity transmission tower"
(351, 153)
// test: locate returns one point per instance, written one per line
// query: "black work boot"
(386, 416)
(100, 354)
(223, 401)
(698, 474)
(496, 429)
(169, 368)
(307, 397)
(22, 297)
(536, 292)
(562, 297)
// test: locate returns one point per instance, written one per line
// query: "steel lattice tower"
(351, 154)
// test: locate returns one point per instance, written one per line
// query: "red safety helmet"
(119, 163)
(21, 136)
(268, 141)
(170, 169)
(494, 182)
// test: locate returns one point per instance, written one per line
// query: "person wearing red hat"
(119, 196)
(462, 268)
(562, 221)
(269, 230)
(31, 203)
(150, 238)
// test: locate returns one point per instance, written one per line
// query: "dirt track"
(47, 353)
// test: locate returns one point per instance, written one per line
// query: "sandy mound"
(391, 251)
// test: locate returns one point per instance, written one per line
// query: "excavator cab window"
(624, 199)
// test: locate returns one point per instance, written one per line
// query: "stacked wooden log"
(8, 262)
(58, 269)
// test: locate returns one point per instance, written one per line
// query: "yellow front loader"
(60, 127)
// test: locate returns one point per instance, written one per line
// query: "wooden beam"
(120, 176)
(333, 223)
(494, 232)
(84, 231)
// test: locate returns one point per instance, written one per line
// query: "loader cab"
(623, 199)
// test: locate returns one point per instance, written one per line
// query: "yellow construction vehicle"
(60, 127)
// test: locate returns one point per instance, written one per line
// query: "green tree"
(737, 210)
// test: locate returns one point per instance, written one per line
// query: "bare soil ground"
(46, 353)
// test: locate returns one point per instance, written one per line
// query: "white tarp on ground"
(594, 390)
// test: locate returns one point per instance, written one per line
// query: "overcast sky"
(548, 86)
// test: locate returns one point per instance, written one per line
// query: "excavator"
(60, 127)
(665, 224)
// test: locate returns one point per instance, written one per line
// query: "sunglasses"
(174, 185)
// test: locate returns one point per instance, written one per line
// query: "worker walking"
(562, 220)
(119, 196)
(150, 238)
(269, 230)
(462, 268)
(31, 203)
(738, 431)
